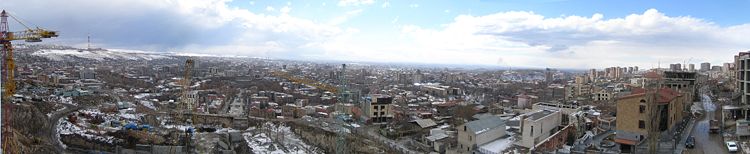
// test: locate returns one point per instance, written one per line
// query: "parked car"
(732, 146)
(690, 142)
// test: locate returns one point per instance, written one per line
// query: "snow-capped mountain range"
(60, 53)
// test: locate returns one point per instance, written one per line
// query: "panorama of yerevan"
(375, 77)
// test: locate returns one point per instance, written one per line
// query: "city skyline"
(489, 33)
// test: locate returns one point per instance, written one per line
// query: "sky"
(578, 34)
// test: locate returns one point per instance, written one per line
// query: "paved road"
(54, 120)
(706, 143)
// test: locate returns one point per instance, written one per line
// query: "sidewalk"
(685, 134)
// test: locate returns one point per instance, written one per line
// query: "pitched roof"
(424, 123)
(664, 95)
(484, 124)
(652, 75)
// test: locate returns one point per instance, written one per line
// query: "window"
(469, 138)
(641, 124)
(532, 131)
(642, 108)
(464, 128)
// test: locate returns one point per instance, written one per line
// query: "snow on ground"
(274, 139)
(178, 127)
(66, 128)
(497, 146)
(66, 100)
(141, 95)
(98, 55)
(148, 104)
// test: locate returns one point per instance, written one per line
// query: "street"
(706, 143)
(54, 121)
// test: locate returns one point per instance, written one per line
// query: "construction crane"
(9, 66)
(29, 35)
(341, 147)
(343, 96)
(306, 81)
(185, 107)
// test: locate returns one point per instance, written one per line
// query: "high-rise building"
(582, 80)
(87, 73)
(635, 68)
(675, 67)
(716, 68)
(592, 75)
(705, 66)
(742, 65)
(726, 67)
(691, 67)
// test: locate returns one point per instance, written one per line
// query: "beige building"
(473, 134)
(537, 126)
(633, 115)
(381, 108)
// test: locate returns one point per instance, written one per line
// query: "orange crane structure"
(186, 104)
(9, 67)
(342, 97)
(305, 81)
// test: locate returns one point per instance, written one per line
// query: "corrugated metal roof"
(424, 123)
(484, 124)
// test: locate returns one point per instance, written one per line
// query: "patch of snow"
(148, 104)
(99, 55)
(497, 146)
(273, 139)
(66, 128)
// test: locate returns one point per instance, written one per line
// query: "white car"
(732, 146)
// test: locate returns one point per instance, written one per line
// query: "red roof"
(652, 75)
(665, 95)
(625, 141)
(356, 111)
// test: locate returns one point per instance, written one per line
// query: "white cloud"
(270, 9)
(395, 20)
(528, 39)
(518, 38)
(207, 26)
(413, 5)
(355, 2)
(345, 17)
(385, 4)
(285, 10)
(252, 2)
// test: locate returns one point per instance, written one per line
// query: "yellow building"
(633, 114)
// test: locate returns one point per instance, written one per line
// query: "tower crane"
(342, 97)
(186, 105)
(28, 35)
(9, 66)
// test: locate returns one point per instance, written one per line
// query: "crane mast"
(186, 104)
(9, 67)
